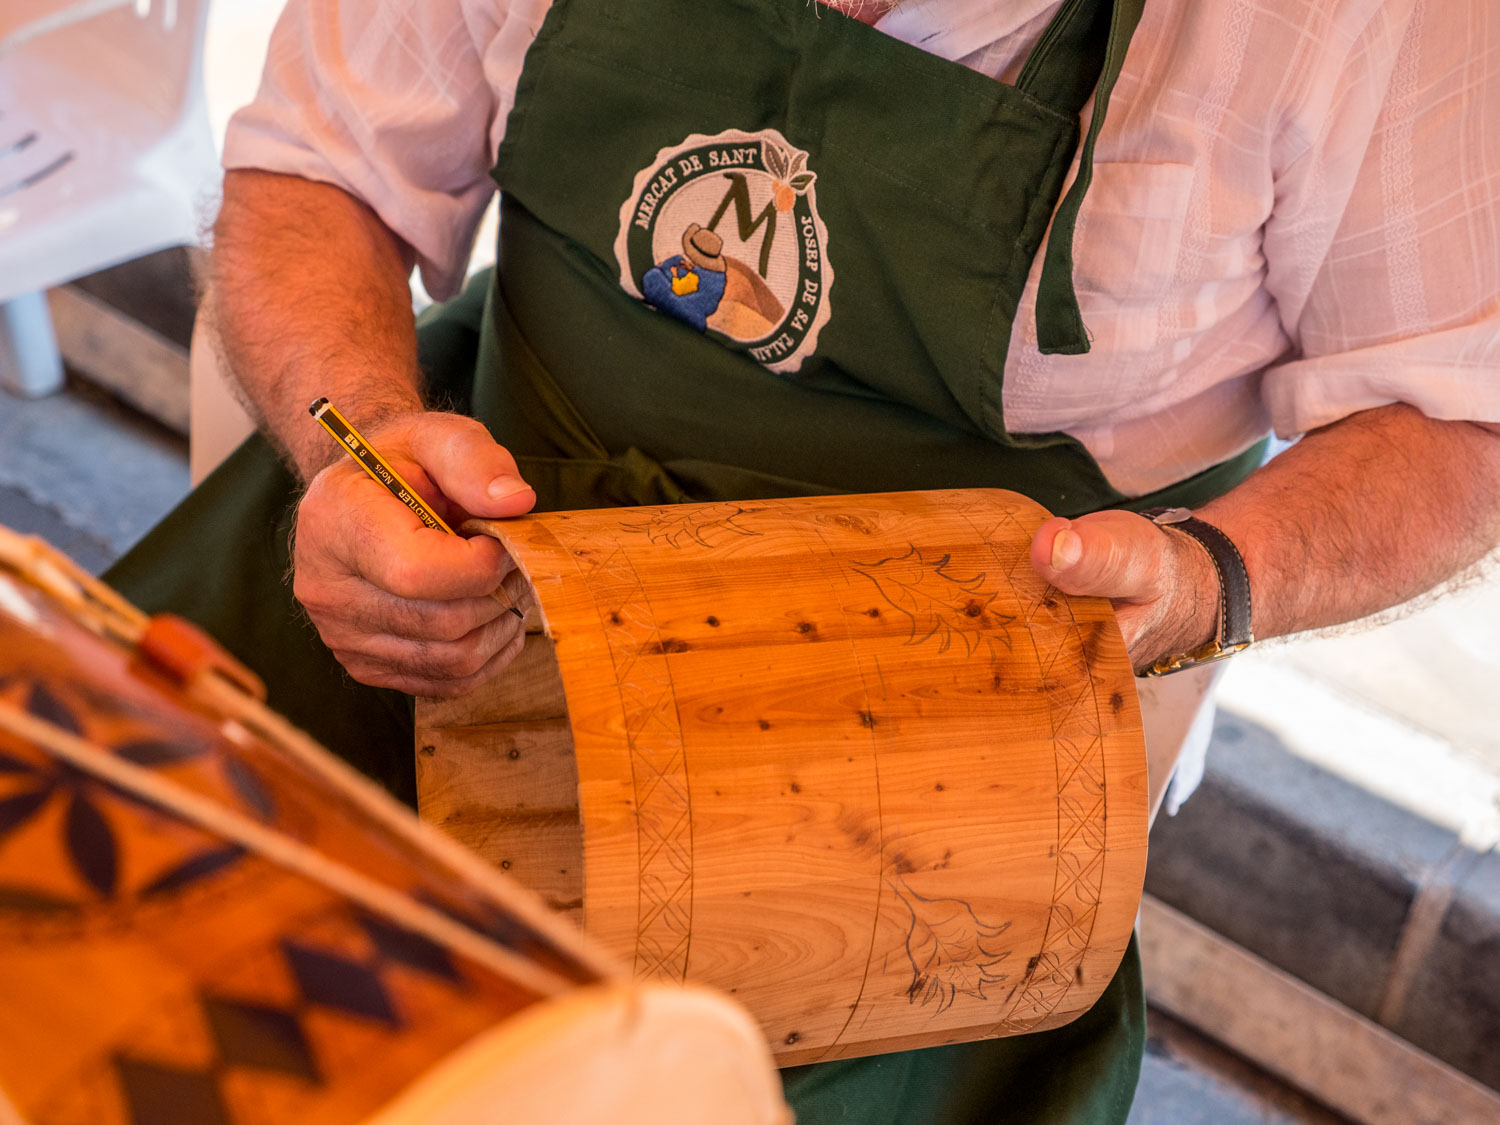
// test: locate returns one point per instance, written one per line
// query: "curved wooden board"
(847, 758)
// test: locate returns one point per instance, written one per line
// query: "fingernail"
(503, 486)
(1067, 549)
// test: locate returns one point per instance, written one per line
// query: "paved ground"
(86, 474)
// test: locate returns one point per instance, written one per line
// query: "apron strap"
(1081, 51)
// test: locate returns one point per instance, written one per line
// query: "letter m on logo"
(739, 195)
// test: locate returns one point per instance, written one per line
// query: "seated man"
(925, 274)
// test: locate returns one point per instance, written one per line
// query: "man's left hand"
(1162, 583)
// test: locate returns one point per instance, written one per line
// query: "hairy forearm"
(1363, 515)
(308, 296)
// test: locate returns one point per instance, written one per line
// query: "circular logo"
(723, 234)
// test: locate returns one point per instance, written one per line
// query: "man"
(1280, 215)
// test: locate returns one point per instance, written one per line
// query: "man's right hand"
(402, 605)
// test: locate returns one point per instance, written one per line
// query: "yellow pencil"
(356, 446)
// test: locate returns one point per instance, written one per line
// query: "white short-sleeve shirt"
(1295, 212)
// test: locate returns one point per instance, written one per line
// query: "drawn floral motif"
(952, 952)
(677, 528)
(941, 605)
(91, 840)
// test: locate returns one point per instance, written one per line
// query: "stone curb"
(1383, 911)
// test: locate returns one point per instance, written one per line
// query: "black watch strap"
(1234, 632)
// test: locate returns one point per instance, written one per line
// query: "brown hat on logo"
(703, 248)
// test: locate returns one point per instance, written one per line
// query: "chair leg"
(30, 364)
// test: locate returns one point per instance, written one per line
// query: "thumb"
(1115, 555)
(469, 466)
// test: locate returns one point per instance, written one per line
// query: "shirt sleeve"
(1395, 295)
(389, 100)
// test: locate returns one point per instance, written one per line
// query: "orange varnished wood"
(152, 969)
(846, 758)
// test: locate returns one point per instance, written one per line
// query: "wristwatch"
(1234, 633)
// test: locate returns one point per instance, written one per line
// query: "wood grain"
(847, 758)
(143, 943)
(1333, 1053)
(139, 365)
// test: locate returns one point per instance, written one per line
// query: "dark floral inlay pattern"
(93, 832)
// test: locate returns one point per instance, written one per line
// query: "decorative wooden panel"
(847, 758)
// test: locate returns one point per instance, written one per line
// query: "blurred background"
(1322, 926)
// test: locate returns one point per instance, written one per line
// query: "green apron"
(935, 185)
(748, 248)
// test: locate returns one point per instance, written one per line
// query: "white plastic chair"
(105, 154)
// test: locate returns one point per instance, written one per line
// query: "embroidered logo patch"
(723, 234)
